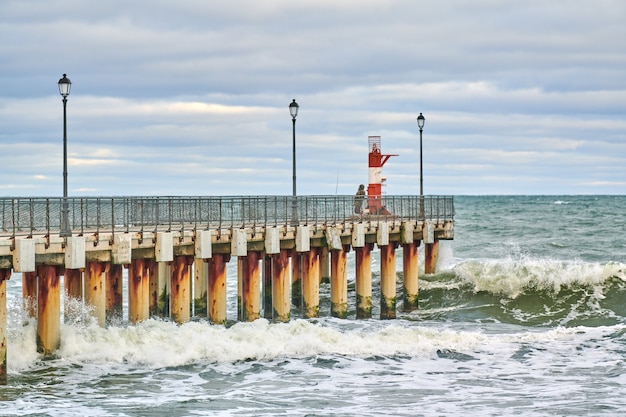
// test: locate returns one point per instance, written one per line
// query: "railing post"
(157, 215)
(82, 216)
(13, 216)
(112, 219)
(32, 218)
(294, 211)
(48, 217)
(181, 204)
(170, 211)
(141, 210)
(65, 228)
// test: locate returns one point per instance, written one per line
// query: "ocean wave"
(526, 291)
(514, 277)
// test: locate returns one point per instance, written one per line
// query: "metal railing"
(37, 216)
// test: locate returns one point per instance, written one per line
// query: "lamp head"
(293, 109)
(64, 86)
(420, 121)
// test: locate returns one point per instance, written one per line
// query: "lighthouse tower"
(376, 160)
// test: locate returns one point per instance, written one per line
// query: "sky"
(191, 97)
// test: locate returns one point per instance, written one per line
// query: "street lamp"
(64, 88)
(293, 110)
(420, 123)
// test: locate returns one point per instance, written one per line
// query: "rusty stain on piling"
(180, 288)
(431, 253)
(113, 293)
(73, 283)
(29, 293)
(5, 275)
(95, 294)
(201, 283)
(160, 277)
(296, 278)
(48, 309)
(410, 276)
(217, 287)
(311, 283)
(268, 308)
(280, 286)
(339, 282)
(251, 286)
(388, 281)
(138, 290)
(363, 261)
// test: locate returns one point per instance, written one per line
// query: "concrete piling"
(200, 286)
(73, 290)
(363, 270)
(388, 281)
(431, 254)
(95, 289)
(73, 279)
(155, 281)
(280, 286)
(324, 265)
(114, 296)
(5, 275)
(268, 309)
(181, 289)
(311, 283)
(251, 286)
(240, 268)
(339, 282)
(217, 288)
(410, 273)
(296, 279)
(138, 290)
(48, 309)
(29, 294)
(160, 289)
(202, 252)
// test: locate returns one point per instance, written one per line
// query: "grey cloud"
(190, 97)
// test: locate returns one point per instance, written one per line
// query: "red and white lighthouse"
(376, 160)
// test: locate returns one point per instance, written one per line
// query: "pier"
(176, 250)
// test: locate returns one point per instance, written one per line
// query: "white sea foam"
(158, 344)
(445, 260)
(512, 276)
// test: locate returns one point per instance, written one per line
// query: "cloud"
(191, 97)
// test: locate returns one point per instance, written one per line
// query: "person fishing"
(358, 199)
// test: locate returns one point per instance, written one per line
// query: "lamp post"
(64, 88)
(293, 110)
(420, 123)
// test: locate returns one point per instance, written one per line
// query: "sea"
(525, 316)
